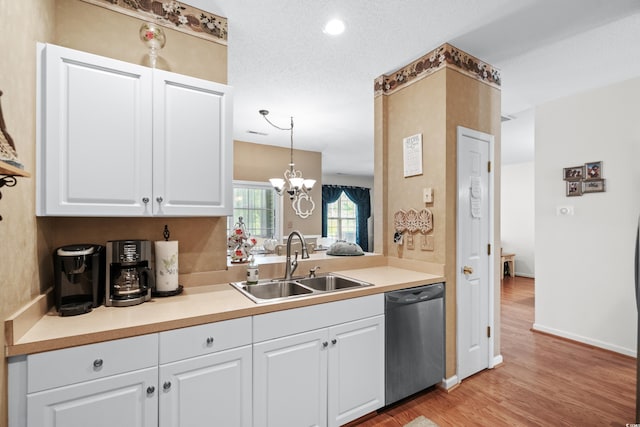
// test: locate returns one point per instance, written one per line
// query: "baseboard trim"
(450, 383)
(529, 275)
(497, 361)
(583, 340)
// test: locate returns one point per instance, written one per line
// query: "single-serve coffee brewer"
(129, 275)
(79, 278)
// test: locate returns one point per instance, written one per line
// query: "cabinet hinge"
(488, 331)
(489, 167)
(489, 249)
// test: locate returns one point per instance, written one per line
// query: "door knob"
(467, 270)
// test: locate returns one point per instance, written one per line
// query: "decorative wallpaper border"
(441, 57)
(172, 14)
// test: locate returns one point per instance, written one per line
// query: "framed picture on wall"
(593, 186)
(574, 173)
(574, 188)
(593, 170)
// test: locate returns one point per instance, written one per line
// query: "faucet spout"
(290, 266)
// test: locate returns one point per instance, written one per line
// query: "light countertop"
(196, 305)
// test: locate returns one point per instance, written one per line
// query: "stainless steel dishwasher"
(414, 340)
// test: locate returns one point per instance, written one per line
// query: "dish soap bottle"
(252, 271)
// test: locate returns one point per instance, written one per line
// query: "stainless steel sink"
(330, 282)
(276, 290)
(270, 290)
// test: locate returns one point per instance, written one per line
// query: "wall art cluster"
(584, 179)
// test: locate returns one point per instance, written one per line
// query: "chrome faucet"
(290, 266)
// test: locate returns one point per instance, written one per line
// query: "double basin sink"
(271, 290)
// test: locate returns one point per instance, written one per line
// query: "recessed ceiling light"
(334, 27)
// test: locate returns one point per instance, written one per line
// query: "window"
(258, 205)
(342, 219)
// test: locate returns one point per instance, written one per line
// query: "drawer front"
(90, 362)
(288, 322)
(195, 341)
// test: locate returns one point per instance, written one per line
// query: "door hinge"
(489, 249)
(489, 167)
(488, 331)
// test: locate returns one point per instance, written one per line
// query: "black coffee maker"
(79, 272)
(129, 275)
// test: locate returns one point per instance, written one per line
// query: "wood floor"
(543, 381)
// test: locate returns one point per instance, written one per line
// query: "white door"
(120, 400)
(95, 149)
(290, 381)
(356, 369)
(193, 149)
(214, 390)
(474, 273)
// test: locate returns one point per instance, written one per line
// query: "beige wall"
(433, 106)
(257, 162)
(19, 264)
(27, 242)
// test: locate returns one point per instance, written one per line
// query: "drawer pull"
(151, 389)
(209, 341)
(166, 386)
(97, 364)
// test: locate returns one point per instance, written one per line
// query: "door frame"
(490, 139)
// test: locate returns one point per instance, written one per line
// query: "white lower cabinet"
(321, 365)
(121, 400)
(356, 369)
(290, 381)
(106, 384)
(323, 377)
(214, 387)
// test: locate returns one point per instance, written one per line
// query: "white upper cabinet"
(120, 139)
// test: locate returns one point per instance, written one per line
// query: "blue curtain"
(359, 196)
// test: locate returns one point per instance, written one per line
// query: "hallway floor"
(543, 381)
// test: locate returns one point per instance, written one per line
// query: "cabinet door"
(94, 153)
(212, 390)
(120, 400)
(290, 381)
(193, 147)
(356, 369)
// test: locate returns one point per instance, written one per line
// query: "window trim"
(342, 218)
(277, 205)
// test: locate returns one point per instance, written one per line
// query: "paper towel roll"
(166, 265)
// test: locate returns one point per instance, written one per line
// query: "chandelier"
(293, 184)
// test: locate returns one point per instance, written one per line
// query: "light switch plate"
(427, 243)
(427, 195)
(564, 210)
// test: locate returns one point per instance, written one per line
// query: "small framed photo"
(574, 188)
(593, 170)
(575, 173)
(593, 186)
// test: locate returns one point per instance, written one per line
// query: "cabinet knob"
(151, 389)
(97, 363)
(334, 341)
(209, 341)
(325, 344)
(145, 200)
(166, 386)
(159, 199)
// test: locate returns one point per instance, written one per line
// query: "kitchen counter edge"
(196, 306)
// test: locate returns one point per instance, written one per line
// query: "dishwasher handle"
(415, 295)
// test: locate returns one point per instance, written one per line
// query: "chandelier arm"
(276, 126)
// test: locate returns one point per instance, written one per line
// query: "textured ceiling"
(280, 60)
